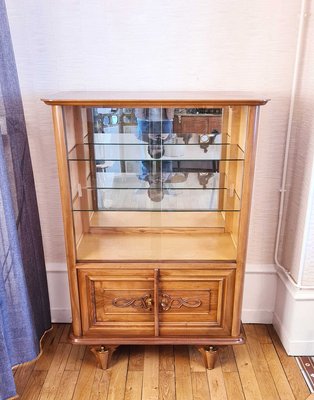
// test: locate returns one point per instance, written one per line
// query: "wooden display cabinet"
(155, 226)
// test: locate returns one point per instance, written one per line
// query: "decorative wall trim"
(293, 317)
(260, 285)
(56, 267)
(297, 294)
(58, 287)
(265, 269)
(61, 315)
(292, 347)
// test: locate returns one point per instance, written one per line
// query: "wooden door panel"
(117, 303)
(196, 302)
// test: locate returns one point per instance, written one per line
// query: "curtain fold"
(24, 302)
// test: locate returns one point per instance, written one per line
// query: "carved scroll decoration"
(167, 302)
(144, 302)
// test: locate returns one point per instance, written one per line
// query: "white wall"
(163, 45)
(306, 115)
(294, 306)
(297, 235)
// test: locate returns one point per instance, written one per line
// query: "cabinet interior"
(172, 193)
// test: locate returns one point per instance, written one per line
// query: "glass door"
(156, 183)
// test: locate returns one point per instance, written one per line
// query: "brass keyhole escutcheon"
(149, 302)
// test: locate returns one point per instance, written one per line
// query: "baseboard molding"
(61, 315)
(292, 347)
(258, 302)
(256, 316)
(260, 285)
(56, 267)
(58, 287)
(293, 318)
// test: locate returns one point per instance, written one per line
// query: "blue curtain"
(24, 302)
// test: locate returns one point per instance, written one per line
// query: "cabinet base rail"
(174, 340)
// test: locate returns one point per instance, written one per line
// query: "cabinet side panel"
(67, 215)
(252, 123)
(237, 129)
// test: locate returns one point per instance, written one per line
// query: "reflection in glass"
(140, 144)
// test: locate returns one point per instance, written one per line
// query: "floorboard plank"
(64, 338)
(166, 358)
(263, 375)
(182, 373)
(136, 359)
(100, 387)
(262, 333)
(119, 371)
(247, 375)
(22, 375)
(200, 386)
(49, 346)
(196, 360)
(227, 359)
(76, 357)
(151, 373)
(289, 364)
(86, 377)
(216, 382)
(34, 385)
(233, 386)
(134, 383)
(67, 385)
(55, 372)
(278, 373)
(167, 389)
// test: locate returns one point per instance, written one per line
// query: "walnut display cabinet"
(156, 192)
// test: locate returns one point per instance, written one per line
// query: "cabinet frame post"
(248, 173)
(65, 193)
(156, 301)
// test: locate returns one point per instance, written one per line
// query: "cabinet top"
(146, 99)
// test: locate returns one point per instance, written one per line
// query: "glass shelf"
(173, 180)
(153, 220)
(155, 153)
(157, 199)
(169, 139)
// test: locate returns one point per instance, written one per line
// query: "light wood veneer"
(156, 277)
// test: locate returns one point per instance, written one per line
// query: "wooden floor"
(258, 370)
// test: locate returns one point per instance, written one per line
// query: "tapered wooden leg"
(210, 354)
(103, 355)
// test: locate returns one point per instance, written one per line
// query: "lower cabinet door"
(196, 302)
(117, 303)
(120, 303)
